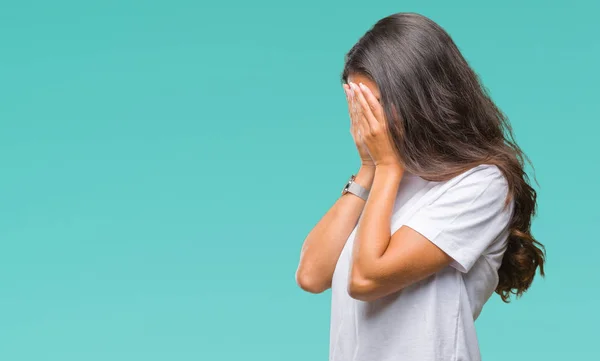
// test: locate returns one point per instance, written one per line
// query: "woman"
(438, 216)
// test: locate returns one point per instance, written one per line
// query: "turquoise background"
(162, 162)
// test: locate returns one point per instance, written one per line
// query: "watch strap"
(358, 190)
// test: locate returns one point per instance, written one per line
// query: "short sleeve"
(467, 217)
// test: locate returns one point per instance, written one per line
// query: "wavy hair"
(443, 122)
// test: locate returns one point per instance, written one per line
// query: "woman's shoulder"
(469, 184)
(484, 171)
(481, 174)
(476, 180)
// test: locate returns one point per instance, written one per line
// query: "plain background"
(162, 162)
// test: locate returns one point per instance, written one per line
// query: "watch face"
(345, 190)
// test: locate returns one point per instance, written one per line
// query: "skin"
(382, 263)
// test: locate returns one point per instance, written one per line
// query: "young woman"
(438, 216)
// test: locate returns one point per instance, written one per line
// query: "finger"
(366, 112)
(349, 96)
(366, 108)
(347, 92)
(351, 111)
(374, 104)
(356, 111)
(371, 106)
(356, 107)
(361, 124)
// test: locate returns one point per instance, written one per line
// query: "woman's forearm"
(373, 233)
(323, 245)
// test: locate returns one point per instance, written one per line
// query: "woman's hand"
(354, 111)
(371, 127)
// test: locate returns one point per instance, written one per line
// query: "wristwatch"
(355, 188)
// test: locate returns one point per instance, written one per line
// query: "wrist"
(390, 170)
(365, 175)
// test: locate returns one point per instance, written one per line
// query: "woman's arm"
(324, 243)
(383, 263)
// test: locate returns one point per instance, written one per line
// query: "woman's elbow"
(360, 289)
(311, 284)
(367, 290)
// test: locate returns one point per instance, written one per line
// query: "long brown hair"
(443, 122)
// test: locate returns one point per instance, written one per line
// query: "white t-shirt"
(431, 320)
